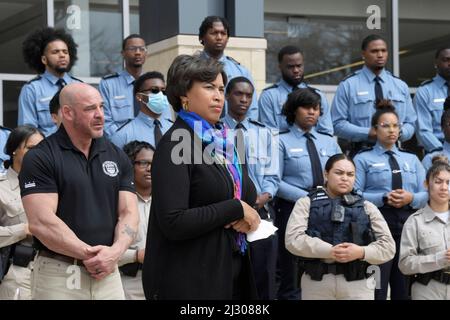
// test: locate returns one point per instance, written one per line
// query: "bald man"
(78, 193)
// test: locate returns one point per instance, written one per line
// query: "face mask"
(157, 103)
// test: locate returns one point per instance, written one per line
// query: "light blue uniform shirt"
(234, 69)
(374, 175)
(295, 165)
(4, 134)
(141, 128)
(260, 153)
(427, 160)
(272, 100)
(429, 103)
(354, 105)
(34, 101)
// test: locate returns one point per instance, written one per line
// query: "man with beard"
(357, 95)
(51, 53)
(78, 193)
(117, 88)
(291, 65)
(429, 101)
(213, 34)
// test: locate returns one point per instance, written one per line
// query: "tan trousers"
(52, 279)
(433, 291)
(16, 283)
(133, 287)
(335, 287)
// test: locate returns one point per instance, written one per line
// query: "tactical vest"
(327, 223)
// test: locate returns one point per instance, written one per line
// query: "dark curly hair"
(132, 148)
(34, 46)
(382, 107)
(302, 97)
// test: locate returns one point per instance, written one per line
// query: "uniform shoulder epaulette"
(121, 127)
(435, 150)
(312, 88)
(284, 131)
(76, 78)
(110, 76)
(426, 82)
(325, 133)
(407, 151)
(260, 124)
(271, 87)
(5, 128)
(34, 79)
(365, 150)
(350, 75)
(232, 59)
(170, 120)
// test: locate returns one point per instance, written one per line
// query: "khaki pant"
(133, 287)
(335, 287)
(433, 291)
(52, 279)
(16, 283)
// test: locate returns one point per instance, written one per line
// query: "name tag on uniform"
(296, 150)
(45, 99)
(119, 97)
(362, 93)
(439, 100)
(378, 165)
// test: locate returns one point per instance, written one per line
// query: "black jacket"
(189, 252)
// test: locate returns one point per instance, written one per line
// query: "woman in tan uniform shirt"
(13, 220)
(424, 247)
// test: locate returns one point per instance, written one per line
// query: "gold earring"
(185, 105)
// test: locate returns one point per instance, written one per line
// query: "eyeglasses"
(143, 164)
(154, 90)
(135, 49)
(394, 126)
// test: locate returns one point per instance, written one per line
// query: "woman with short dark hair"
(202, 204)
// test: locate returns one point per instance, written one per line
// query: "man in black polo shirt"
(78, 192)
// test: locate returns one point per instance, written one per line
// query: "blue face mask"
(157, 103)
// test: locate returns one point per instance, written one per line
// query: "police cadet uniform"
(130, 268)
(429, 101)
(142, 128)
(4, 134)
(88, 196)
(273, 98)
(422, 254)
(35, 97)
(376, 175)
(296, 172)
(263, 171)
(315, 226)
(16, 283)
(234, 69)
(427, 161)
(354, 104)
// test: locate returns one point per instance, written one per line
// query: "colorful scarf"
(223, 151)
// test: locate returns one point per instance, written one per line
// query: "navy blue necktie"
(397, 182)
(315, 161)
(61, 83)
(378, 89)
(157, 131)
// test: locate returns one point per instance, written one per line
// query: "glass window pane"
(17, 20)
(96, 26)
(328, 32)
(11, 91)
(424, 27)
(134, 17)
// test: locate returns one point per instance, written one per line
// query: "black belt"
(439, 276)
(60, 257)
(131, 269)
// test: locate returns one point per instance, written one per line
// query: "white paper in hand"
(265, 230)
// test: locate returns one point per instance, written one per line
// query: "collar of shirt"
(97, 145)
(282, 83)
(128, 77)
(13, 178)
(222, 59)
(53, 79)
(299, 133)
(149, 121)
(370, 76)
(379, 149)
(232, 123)
(440, 81)
(428, 214)
(141, 198)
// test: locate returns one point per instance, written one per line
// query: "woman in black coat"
(202, 199)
